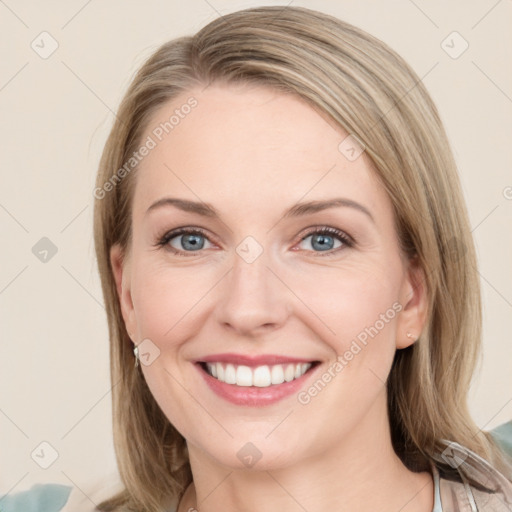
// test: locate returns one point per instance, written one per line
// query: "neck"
(362, 472)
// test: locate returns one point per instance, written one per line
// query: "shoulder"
(61, 498)
(39, 498)
(478, 486)
(85, 499)
(503, 436)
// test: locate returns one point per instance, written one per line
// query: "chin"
(254, 455)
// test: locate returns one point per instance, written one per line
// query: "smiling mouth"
(260, 376)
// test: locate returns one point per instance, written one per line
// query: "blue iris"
(325, 242)
(194, 242)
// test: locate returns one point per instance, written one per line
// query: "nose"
(252, 298)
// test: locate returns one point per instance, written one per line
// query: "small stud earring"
(136, 353)
(409, 335)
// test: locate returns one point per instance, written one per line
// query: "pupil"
(193, 242)
(323, 240)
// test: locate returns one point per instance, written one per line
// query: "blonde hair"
(370, 92)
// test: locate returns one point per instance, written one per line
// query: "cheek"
(166, 300)
(361, 307)
(353, 300)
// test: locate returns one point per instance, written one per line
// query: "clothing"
(460, 496)
(40, 498)
(449, 495)
(503, 436)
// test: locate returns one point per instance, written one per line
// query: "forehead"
(247, 145)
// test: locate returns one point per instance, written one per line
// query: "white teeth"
(230, 374)
(261, 376)
(243, 376)
(219, 370)
(277, 374)
(289, 373)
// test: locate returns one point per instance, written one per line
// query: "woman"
(281, 237)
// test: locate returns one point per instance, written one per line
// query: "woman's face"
(260, 276)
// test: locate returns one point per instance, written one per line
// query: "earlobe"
(415, 302)
(120, 270)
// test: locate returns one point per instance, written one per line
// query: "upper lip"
(257, 360)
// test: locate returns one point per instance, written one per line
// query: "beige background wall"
(56, 113)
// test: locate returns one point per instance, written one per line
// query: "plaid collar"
(479, 488)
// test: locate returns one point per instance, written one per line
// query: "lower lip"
(252, 395)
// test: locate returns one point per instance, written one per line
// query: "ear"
(414, 300)
(121, 270)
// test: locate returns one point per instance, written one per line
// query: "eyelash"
(323, 230)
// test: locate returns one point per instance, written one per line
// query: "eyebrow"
(300, 209)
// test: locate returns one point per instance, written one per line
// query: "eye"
(184, 240)
(328, 240)
(187, 241)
